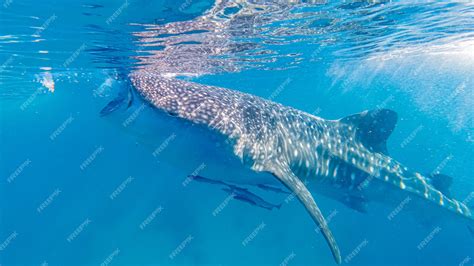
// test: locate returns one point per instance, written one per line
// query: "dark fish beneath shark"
(272, 188)
(203, 179)
(239, 193)
(245, 195)
(206, 180)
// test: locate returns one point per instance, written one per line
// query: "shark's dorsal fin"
(373, 127)
(294, 184)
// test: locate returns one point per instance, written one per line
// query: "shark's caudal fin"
(295, 185)
(373, 127)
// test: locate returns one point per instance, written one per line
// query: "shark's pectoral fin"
(295, 185)
(373, 127)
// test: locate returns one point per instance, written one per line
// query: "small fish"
(243, 194)
(206, 180)
(273, 189)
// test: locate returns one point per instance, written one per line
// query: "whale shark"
(345, 159)
(239, 138)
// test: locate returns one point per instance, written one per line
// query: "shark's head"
(126, 110)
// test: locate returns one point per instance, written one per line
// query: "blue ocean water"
(78, 188)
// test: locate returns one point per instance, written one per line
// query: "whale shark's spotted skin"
(289, 143)
(264, 131)
(267, 136)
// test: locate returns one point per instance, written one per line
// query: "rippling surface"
(62, 62)
(265, 35)
(359, 41)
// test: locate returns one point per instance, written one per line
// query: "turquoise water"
(78, 188)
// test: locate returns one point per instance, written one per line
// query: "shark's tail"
(372, 129)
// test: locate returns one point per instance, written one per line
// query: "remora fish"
(270, 139)
(272, 188)
(244, 194)
(238, 193)
(206, 180)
